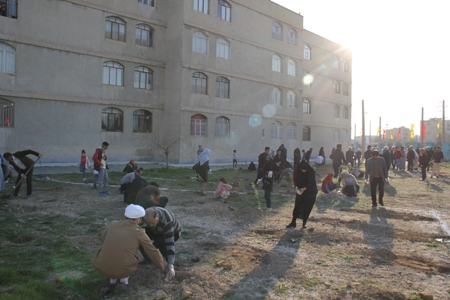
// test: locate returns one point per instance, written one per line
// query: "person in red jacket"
(101, 167)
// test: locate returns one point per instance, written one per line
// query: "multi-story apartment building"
(146, 75)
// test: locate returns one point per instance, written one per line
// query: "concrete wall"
(59, 96)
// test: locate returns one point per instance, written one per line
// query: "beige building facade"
(150, 75)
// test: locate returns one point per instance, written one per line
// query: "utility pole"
(363, 129)
(379, 126)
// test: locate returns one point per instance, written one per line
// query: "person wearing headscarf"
(350, 186)
(327, 184)
(203, 169)
(116, 259)
(305, 184)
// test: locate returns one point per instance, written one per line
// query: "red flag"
(424, 130)
(398, 133)
(384, 134)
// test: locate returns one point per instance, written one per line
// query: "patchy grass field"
(235, 250)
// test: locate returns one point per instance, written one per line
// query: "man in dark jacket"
(437, 158)
(349, 155)
(338, 159)
(24, 167)
(263, 159)
(410, 156)
(367, 155)
(376, 171)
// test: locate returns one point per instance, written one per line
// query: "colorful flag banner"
(391, 135)
(438, 125)
(384, 134)
(411, 131)
(424, 130)
(399, 133)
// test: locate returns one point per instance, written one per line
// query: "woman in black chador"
(305, 184)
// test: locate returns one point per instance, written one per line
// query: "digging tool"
(24, 176)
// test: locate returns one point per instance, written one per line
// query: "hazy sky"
(401, 55)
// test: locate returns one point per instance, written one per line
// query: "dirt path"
(240, 251)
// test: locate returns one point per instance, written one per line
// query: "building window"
(222, 49)
(292, 131)
(308, 78)
(112, 119)
(276, 63)
(277, 30)
(291, 99)
(6, 113)
(337, 87)
(306, 134)
(345, 65)
(292, 36)
(199, 83)
(345, 112)
(201, 6)
(199, 42)
(345, 89)
(276, 96)
(147, 2)
(115, 29)
(224, 10)
(336, 63)
(291, 67)
(144, 35)
(307, 53)
(337, 111)
(112, 73)
(143, 78)
(142, 121)
(336, 135)
(8, 8)
(7, 58)
(222, 126)
(306, 106)
(276, 130)
(222, 87)
(198, 125)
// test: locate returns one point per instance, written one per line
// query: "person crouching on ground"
(350, 186)
(305, 184)
(328, 185)
(223, 190)
(116, 258)
(164, 230)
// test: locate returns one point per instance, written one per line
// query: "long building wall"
(58, 92)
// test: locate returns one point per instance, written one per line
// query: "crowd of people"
(149, 230)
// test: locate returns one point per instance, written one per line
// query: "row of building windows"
(277, 32)
(200, 45)
(223, 8)
(115, 29)
(112, 121)
(199, 124)
(336, 61)
(113, 74)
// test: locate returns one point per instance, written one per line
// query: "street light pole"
(363, 129)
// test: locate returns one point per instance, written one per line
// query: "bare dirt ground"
(238, 251)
